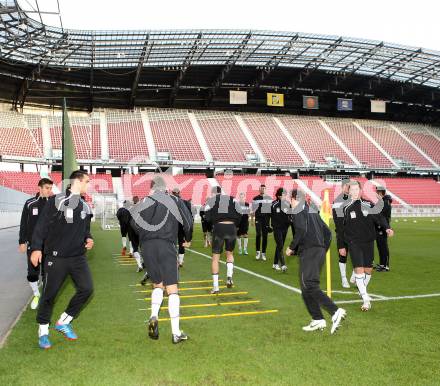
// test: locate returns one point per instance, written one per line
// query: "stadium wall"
(11, 205)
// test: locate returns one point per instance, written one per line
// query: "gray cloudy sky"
(413, 23)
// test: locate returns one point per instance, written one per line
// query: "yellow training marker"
(186, 289)
(216, 316)
(209, 295)
(209, 305)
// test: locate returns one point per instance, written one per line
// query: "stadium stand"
(271, 140)
(126, 136)
(33, 122)
(425, 138)
(224, 137)
(55, 123)
(16, 139)
(86, 137)
(173, 133)
(195, 187)
(316, 142)
(25, 182)
(396, 146)
(364, 150)
(415, 191)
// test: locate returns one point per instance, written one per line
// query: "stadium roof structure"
(41, 64)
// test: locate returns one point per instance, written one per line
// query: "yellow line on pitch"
(185, 289)
(216, 316)
(209, 305)
(181, 282)
(209, 295)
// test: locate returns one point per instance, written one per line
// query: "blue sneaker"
(44, 342)
(67, 331)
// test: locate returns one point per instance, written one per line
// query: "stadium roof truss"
(94, 64)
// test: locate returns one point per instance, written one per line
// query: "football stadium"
(216, 206)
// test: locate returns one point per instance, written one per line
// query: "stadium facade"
(308, 105)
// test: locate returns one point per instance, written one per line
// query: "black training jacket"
(280, 214)
(158, 217)
(310, 231)
(63, 227)
(202, 213)
(360, 221)
(386, 211)
(261, 206)
(222, 207)
(189, 206)
(245, 210)
(124, 217)
(32, 209)
(338, 217)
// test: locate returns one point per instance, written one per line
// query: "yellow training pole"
(326, 214)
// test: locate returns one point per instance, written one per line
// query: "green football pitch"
(250, 334)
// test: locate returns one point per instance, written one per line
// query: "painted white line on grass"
(378, 296)
(278, 283)
(297, 290)
(356, 293)
(391, 298)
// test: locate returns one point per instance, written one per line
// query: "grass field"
(397, 343)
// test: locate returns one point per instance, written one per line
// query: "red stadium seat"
(224, 137)
(173, 133)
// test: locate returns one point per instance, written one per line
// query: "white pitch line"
(297, 290)
(355, 293)
(378, 296)
(278, 283)
(291, 288)
(391, 298)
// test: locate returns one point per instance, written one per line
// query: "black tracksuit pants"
(181, 240)
(279, 235)
(134, 239)
(311, 261)
(343, 259)
(33, 272)
(382, 247)
(56, 270)
(261, 225)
